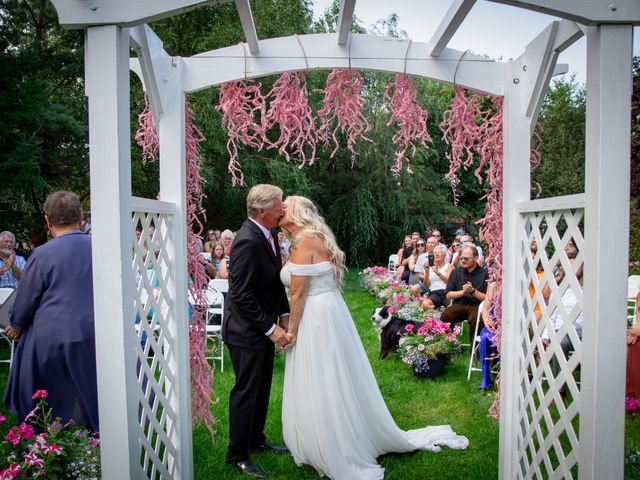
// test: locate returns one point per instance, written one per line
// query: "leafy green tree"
(43, 120)
(562, 119)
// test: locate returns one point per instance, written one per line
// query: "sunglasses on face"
(421, 245)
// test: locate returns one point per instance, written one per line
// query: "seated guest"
(467, 239)
(433, 279)
(633, 355)
(227, 240)
(413, 262)
(487, 348)
(285, 247)
(209, 241)
(557, 318)
(403, 258)
(219, 262)
(11, 265)
(53, 317)
(455, 252)
(438, 236)
(466, 288)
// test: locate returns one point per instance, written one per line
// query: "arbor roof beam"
(248, 25)
(587, 12)
(345, 17)
(452, 20)
(320, 52)
(124, 13)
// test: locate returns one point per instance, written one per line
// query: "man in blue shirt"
(11, 265)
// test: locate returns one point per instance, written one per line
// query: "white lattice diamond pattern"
(547, 433)
(155, 346)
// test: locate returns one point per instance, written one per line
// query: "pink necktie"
(271, 243)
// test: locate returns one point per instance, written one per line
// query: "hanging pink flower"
(243, 110)
(147, 135)
(289, 110)
(342, 110)
(410, 118)
(201, 372)
(460, 131)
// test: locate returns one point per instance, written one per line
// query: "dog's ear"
(384, 311)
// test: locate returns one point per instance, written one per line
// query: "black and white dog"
(390, 328)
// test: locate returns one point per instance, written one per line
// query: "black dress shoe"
(269, 447)
(249, 468)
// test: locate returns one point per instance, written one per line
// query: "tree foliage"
(43, 124)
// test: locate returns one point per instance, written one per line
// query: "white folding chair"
(475, 346)
(215, 306)
(4, 294)
(392, 265)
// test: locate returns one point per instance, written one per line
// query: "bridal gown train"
(334, 417)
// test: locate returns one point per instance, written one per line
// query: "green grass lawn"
(413, 402)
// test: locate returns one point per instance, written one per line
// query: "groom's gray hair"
(262, 196)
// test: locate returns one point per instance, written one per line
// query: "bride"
(333, 415)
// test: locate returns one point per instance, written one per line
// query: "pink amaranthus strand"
(289, 109)
(243, 110)
(536, 155)
(490, 151)
(147, 136)
(342, 110)
(410, 117)
(461, 132)
(201, 371)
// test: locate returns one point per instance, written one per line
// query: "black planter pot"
(436, 368)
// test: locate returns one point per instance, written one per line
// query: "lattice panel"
(155, 346)
(548, 393)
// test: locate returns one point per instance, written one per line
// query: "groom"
(255, 300)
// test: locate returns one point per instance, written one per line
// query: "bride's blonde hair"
(304, 215)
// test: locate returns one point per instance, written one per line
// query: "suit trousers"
(459, 312)
(249, 400)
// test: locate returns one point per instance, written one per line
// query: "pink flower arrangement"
(57, 452)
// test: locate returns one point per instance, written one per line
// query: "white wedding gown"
(333, 415)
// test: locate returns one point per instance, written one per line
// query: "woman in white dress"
(334, 417)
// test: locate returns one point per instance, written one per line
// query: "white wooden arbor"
(144, 385)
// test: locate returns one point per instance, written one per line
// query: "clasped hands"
(468, 288)
(282, 336)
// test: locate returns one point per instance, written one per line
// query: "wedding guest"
(438, 236)
(413, 262)
(433, 280)
(560, 314)
(53, 317)
(466, 288)
(403, 258)
(227, 239)
(455, 253)
(285, 246)
(11, 265)
(219, 262)
(467, 239)
(210, 241)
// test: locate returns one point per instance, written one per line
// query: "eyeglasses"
(455, 245)
(466, 259)
(421, 245)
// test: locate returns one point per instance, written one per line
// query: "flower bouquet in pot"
(43, 447)
(430, 347)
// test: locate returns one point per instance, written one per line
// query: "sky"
(504, 30)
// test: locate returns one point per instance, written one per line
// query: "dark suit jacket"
(256, 295)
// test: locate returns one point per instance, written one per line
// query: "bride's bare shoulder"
(307, 247)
